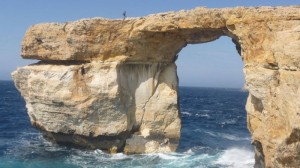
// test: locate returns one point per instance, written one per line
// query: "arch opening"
(212, 103)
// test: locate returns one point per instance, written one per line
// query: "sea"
(214, 135)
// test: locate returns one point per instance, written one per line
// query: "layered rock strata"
(112, 84)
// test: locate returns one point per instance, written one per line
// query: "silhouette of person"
(124, 15)
(82, 70)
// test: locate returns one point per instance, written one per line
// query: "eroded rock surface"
(112, 84)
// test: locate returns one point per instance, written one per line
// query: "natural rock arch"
(103, 83)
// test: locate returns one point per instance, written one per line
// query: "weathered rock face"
(99, 105)
(112, 84)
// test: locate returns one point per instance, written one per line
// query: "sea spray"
(236, 158)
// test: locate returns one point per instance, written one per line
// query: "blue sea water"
(214, 134)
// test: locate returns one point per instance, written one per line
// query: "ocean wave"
(185, 113)
(236, 158)
(228, 136)
(230, 121)
(189, 152)
(188, 114)
(98, 157)
(170, 156)
(202, 115)
(119, 156)
(224, 135)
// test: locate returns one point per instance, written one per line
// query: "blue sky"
(214, 64)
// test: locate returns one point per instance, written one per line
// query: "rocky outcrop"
(99, 105)
(112, 84)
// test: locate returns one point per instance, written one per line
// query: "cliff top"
(125, 39)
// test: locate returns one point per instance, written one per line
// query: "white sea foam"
(186, 113)
(189, 152)
(170, 156)
(202, 115)
(236, 158)
(234, 138)
(99, 152)
(230, 121)
(119, 156)
(167, 156)
(226, 136)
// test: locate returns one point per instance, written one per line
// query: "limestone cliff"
(112, 84)
(98, 105)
